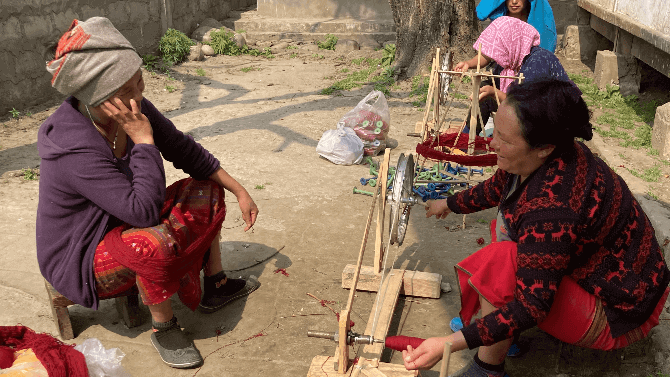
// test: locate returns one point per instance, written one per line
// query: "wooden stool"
(127, 305)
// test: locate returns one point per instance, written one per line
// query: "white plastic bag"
(102, 362)
(341, 146)
(371, 120)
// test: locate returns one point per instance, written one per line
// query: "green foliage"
(388, 56)
(315, 55)
(652, 174)
(328, 43)
(344, 70)
(175, 46)
(29, 114)
(383, 81)
(652, 195)
(466, 79)
(625, 112)
(259, 187)
(293, 56)
(150, 62)
(419, 90)
(353, 80)
(291, 47)
(170, 88)
(200, 72)
(223, 44)
(460, 96)
(30, 174)
(249, 69)
(15, 113)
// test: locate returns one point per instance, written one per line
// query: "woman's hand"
(248, 208)
(462, 67)
(439, 208)
(134, 123)
(486, 91)
(425, 356)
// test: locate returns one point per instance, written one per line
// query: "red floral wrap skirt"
(167, 258)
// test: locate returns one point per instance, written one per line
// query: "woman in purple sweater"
(106, 221)
(573, 251)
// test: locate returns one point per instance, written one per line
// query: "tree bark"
(424, 25)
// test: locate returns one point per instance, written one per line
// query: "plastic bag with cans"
(371, 120)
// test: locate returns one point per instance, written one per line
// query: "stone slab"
(660, 137)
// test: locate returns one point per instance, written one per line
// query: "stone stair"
(262, 28)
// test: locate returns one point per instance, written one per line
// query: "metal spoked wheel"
(399, 198)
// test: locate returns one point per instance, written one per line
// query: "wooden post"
(437, 88)
(381, 212)
(429, 98)
(444, 368)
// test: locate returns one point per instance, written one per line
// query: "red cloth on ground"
(400, 342)
(59, 359)
(576, 316)
(166, 258)
(6, 357)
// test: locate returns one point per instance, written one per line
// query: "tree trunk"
(424, 25)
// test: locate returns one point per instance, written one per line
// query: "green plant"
(482, 221)
(353, 80)
(29, 174)
(344, 70)
(291, 47)
(15, 113)
(29, 114)
(259, 187)
(419, 90)
(170, 88)
(150, 62)
(388, 56)
(652, 174)
(328, 43)
(200, 72)
(175, 46)
(223, 44)
(466, 79)
(383, 81)
(315, 55)
(460, 96)
(652, 195)
(293, 56)
(249, 69)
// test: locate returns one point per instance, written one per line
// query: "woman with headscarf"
(537, 13)
(514, 46)
(105, 220)
(573, 252)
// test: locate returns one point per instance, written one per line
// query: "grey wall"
(27, 26)
(326, 9)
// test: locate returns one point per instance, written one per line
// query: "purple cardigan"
(85, 191)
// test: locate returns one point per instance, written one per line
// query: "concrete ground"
(264, 125)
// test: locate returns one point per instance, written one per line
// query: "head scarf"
(92, 61)
(507, 41)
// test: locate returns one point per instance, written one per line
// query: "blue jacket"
(541, 17)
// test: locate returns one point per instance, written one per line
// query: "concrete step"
(265, 28)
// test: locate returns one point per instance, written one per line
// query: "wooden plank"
(343, 332)
(381, 212)
(387, 298)
(415, 283)
(322, 366)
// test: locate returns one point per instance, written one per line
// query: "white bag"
(341, 146)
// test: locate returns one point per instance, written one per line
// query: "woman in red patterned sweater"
(573, 251)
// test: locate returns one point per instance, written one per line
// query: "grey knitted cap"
(92, 61)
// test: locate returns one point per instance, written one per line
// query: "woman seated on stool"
(573, 251)
(105, 220)
(515, 48)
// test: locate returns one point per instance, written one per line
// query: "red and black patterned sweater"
(573, 216)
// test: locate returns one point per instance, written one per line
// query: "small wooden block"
(415, 283)
(61, 315)
(322, 367)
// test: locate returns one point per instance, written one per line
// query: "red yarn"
(6, 357)
(351, 323)
(59, 359)
(427, 149)
(400, 342)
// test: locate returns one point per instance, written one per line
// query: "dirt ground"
(264, 123)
